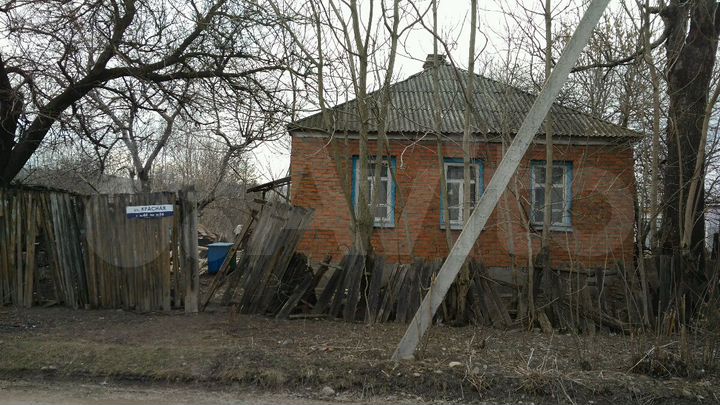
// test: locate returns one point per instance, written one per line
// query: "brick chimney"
(433, 60)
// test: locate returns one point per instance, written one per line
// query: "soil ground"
(33, 392)
(220, 349)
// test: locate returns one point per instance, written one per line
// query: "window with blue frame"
(384, 208)
(455, 189)
(562, 176)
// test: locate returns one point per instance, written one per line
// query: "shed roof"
(498, 108)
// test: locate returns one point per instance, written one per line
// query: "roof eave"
(493, 136)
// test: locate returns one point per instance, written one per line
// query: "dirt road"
(66, 393)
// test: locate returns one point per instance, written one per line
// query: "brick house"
(593, 203)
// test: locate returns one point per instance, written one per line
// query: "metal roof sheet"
(498, 108)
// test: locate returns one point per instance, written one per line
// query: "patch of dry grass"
(273, 355)
(661, 362)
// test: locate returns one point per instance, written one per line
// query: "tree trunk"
(656, 115)
(545, 259)
(463, 280)
(691, 58)
(363, 226)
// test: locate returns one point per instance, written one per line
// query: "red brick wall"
(602, 210)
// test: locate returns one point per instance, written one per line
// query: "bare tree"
(138, 114)
(361, 46)
(57, 54)
(690, 48)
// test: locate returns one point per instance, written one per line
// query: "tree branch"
(627, 59)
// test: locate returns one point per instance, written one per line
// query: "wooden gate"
(131, 251)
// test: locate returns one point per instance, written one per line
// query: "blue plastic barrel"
(216, 256)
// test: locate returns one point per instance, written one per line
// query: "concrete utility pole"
(509, 164)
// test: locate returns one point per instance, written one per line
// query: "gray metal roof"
(499, 108)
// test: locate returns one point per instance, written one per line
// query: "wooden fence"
(88, 252)
(272, 279)
(266, 266)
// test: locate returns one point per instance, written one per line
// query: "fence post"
(190, 247)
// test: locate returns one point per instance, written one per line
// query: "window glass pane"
(382, 207)
(558, 172)
(537, 215)
(454, 198)
(559, 203)
(455, 172)
(558, 195)
(557, 217)
(539, 197)
(539, 174)
(454, 214)
(371, 170)
(383, 193)
(383, 170)
(381, 211)
(455, 177)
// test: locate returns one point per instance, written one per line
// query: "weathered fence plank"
(268, 253)
(190, 262)
(97, 257)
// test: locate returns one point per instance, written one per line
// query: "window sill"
(555, 228)
(453, 227)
